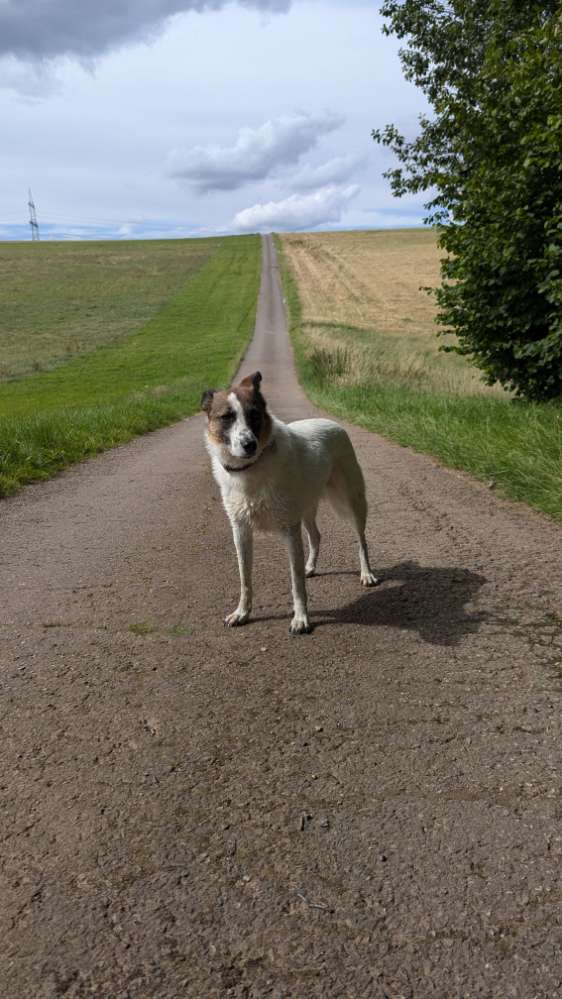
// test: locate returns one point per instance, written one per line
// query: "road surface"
(371, 811)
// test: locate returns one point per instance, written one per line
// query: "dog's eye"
(227, 417)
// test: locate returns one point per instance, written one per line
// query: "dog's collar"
(241, 468)
(251, 464)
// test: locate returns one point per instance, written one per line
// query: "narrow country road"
(371, 811)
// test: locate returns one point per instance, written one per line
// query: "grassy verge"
(155, 376)
(515, 446)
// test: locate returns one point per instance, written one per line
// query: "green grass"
(515, 446)
(58, 300)
(149, 379)
(147, 628)
(409, 359)
(142, 628)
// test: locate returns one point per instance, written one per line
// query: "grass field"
(367, 351)
(58, 300)
(131, 375)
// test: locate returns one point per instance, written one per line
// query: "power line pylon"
(33, 219)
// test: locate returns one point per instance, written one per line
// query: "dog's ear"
(252, 381)
(207, 400)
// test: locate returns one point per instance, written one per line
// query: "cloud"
(43, 29)
(31, 81)
(256, 154)
(335, 171)
(297, 212)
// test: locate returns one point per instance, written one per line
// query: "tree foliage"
(490, 159)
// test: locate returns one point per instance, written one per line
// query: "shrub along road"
(373, 810)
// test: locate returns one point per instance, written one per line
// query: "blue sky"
(196, 117)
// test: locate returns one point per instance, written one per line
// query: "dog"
(272, 476)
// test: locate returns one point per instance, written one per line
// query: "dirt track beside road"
(371, 811)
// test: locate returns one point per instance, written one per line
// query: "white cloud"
(297, 212)
(334, 171)
(256, 154)
(29, 80)
(93, 150)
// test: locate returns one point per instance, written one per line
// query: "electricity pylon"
(33, 219)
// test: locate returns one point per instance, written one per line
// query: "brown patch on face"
(220, 415)
(255, 407)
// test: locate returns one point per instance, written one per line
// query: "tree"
(490, 156)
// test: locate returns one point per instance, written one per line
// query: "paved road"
(370, 811)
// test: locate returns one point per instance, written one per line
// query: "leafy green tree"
(490, 159)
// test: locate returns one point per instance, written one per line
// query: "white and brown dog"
(272, 476)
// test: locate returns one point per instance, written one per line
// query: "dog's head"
(239, 425)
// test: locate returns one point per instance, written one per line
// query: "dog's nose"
(250, 447)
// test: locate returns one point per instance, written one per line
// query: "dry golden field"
(361, 294)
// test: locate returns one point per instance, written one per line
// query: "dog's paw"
(367, 579)
(310, 571)
(236, 619)
(300, 626)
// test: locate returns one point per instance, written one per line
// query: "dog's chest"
(260, 505)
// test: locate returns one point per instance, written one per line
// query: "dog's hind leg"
(243, 539)
(313, 535)
(358, 508)
(300, 624)
(346, 493)
(368, 578)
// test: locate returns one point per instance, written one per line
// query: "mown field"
(114, 340)
(366, 348)
(58, 300)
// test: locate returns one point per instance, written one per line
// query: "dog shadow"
(430, 600)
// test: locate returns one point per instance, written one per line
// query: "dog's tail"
(346, 486)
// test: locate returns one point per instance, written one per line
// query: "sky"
(145, 118)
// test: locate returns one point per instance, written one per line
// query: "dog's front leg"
(299, 624)
(244, 541)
